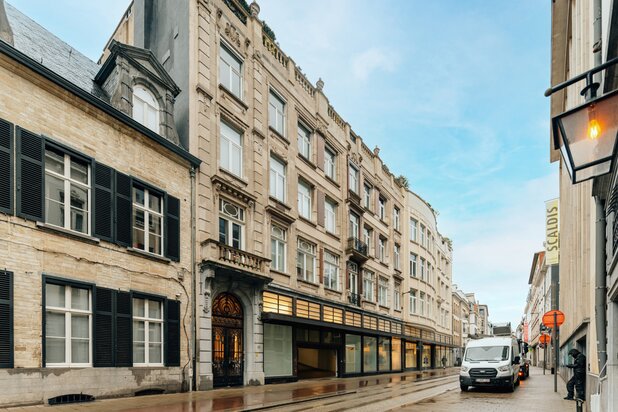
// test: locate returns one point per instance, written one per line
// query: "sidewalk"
(250, 397)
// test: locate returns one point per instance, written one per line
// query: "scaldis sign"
(552, 232)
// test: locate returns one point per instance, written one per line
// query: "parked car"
(492, 362)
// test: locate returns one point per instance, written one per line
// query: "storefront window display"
(396, 353)
(426, 358)
(370, 351)
(277, 350)
(411, 355)
(384, 354)
(353, 354)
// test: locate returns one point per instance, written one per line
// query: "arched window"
(145, 108)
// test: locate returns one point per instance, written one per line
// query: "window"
(331, 271)
(382, 249)
(277, 179)
(412, 301)
(353, 178)
(304, 142)
(413, 258)
(353, 274)
(305, 262)
(276, 113)
(367, 196)
(368, 285)
(367, 236)
(68, 326)
(396, 218)
(230, 71)
(304, 200)
(413, 227)
(330, 209)
(382, 207)
(383, 292)
(422, 235)
(422, 268)
(231, 224)
(330, 163)
(147, 207)
(422, 304)
(147, 332)
(396, 257)
(231, 150)
(277, 248)
(67, 175)
(354, 219)
(397, 296)
(145, 108)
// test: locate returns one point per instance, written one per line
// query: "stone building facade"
(94, 301)
(305, 236)
(538, 303)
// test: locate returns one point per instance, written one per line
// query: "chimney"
(6, 33)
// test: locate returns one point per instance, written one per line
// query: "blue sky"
(452, 93)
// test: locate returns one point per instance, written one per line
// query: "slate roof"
(42, 46)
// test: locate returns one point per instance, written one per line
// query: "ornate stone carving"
(255, 9)
(232, 33)
(320, 84)
(206, 305)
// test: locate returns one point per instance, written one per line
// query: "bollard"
(579, 405)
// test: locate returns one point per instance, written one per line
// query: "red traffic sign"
(544, 339)
(553, 318)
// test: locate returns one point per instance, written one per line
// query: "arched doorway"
(227, 340)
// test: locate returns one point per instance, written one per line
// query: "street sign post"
(553, 319)
(544, 339)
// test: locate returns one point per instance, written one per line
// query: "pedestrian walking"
(578, 381)
(443, 362)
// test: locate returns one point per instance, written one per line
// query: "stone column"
(204, 335)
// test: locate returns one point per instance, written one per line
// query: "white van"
(490, 362)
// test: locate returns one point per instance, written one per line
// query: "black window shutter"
(104, 328)
(123, 209)
(6, 319)
(103, 211)
(6, 167)
(172, 333)
(30, 175)
(172, 228)
(124, 330)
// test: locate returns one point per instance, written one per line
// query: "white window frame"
(67, 182)
(413, 264)
(230, 220)
(228, 137)
(367, 236)
(330, 163)
(304, 141)
(68, 312)
(145, 99)
(397, 296)
(145, 208)
(278, 241)
(278, 183)
(353, 273)
(381, 207)
(353, 178)
(396, 256)
(422, 303)
(422, 242)
(304, 199)
(383, 291)
(147, 321)
(331, 271)
(396, 218)
(413, 229)
(276, 106)
(330, 215)
(369, 285)
(306, 258)
(367, 195)
(354, 221)
(226, 53)
(381, 249)
(413, 301)
(423, 269)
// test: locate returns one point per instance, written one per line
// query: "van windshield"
(487, 353)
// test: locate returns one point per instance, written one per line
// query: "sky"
(450, 91)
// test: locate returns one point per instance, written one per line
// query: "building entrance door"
(227, 341)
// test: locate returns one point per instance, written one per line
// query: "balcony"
(354, 299)
(358, 249)
(235, 259)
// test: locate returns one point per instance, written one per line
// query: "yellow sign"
(552, 232)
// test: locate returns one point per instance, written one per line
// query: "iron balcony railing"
(354, 299)
(357, 245)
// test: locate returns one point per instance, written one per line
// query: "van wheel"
(517, 382)
(463, 387)
(511, 387)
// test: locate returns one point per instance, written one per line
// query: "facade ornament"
(255, 9)
(247, 43)
(257, 55)
(319, 84)
(376, 150)
(321, 128)
(219, 13)
(232, 33)
(206, 306)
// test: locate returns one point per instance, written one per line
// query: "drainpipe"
(601, 275)
(193, 284)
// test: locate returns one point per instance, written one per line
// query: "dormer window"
(145, 108)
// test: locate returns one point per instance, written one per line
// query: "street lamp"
(586, 135)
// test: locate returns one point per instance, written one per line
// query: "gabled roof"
(142, 59)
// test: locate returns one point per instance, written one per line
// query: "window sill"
(67, 232)
(148, 255)
(333, 235)
(397, 231)
(232, 96)
(304, 219)
(334, 291)
(230, 174)
(308, 283)
(279, 202)
(278, 135)
(279, 272)
(384, 307)
(307, 161)
(333, 181)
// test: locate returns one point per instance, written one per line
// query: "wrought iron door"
(227, 341)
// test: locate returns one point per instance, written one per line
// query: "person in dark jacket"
(578, 381)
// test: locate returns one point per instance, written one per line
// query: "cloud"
(371, 60)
